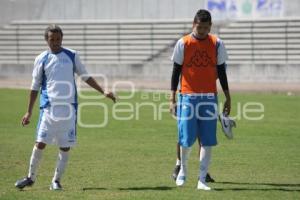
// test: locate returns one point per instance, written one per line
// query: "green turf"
(134, 159)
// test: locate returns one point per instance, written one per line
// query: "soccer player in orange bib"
(199, 60)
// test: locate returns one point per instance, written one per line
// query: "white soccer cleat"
(180, 180)
(202, 186)
(55, 185)
(227, 124)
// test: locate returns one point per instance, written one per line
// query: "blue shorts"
(197, 117)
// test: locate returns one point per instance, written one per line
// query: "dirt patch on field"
(163, 85)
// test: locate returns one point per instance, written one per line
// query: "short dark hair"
(202, 16)
(54, 29)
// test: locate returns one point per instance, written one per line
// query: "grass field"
(133, 159)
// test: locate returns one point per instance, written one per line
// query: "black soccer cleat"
(24, 182)
(176, 172)
(208, 178)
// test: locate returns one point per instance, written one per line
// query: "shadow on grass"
(93, 188)
(267, 184)
(162, 188)
(279, 187)
(148, 188)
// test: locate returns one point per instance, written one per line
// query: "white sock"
(36, 156)
(178, 162)
(184, 153)
(62, 161)
(205, 156)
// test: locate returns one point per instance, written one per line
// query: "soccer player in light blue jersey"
(53, 75)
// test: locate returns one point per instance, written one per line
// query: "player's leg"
(178, 159)
(35, 159)
(208, 178)
(62, 160)
(184, 153)
(65, 139)
(205, 157)
(43, 137)
(187, 129)
(178, 163)
(208, 127)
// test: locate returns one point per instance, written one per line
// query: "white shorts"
(57, 125)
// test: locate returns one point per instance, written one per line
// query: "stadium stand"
(274, 41)
(127, 42)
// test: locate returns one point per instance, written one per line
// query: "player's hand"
(26, 118)
(173, 108)
(111, 96)
(227, 107)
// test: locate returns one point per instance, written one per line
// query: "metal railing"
(263, 42)
(122, 46)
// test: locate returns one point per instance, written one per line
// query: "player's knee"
(64, 148)
(40, 145)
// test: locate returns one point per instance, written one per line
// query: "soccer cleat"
(24, 182)
(208, 178)
(176, 172)
(180, 180)
(55, 185)
(227, 125)
(202, 186)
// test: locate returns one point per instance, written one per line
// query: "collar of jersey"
(195, 37)
(56, 52)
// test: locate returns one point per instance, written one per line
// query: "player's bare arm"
(224, 84)
(91, 82)
(173, 101)
(32, 98)
(227, 104)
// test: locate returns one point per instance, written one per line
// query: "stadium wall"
(157, 76)
(97, 9)
(125, 9)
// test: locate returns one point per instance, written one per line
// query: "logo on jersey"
(65, 61)
(200, 59)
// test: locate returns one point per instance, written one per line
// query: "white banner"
(236, 9)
